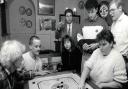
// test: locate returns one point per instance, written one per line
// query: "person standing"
(95, 22)
(119, 27)
(68, 27)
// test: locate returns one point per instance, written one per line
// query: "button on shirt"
(69, 29)
(119, 29)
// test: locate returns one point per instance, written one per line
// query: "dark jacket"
(9, 81)
(71, 60)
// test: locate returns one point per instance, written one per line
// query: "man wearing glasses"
(119, 27)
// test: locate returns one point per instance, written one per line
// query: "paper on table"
(90, 32)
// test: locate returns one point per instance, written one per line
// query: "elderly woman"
(10, 61)
(106, 66)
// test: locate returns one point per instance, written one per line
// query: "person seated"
(70, 55)
(106, 66)
(10, 61)
(32, 63)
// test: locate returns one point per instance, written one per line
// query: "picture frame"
(46, 7)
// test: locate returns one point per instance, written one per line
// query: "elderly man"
(119, 27)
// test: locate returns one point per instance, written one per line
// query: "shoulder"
(117, 53)
(84, 21)
(97, 51)
(26, 54)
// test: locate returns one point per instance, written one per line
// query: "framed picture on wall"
(46, 7)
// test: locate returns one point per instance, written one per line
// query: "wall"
(47, 36)
(20, 22)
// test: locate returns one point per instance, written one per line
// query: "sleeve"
(120, 74)
(105, 25)
(90, 62)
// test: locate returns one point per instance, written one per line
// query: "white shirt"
(69, 26)
(31, 64)
(119, 29)
(106, 68)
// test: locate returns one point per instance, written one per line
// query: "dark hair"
(106, 35)
(67, 37)
(90, 4)
(68, 11)
(32, 38)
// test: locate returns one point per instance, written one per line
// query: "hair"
(67, 37)
(32, 38)
(106, 35)
(68, 11)
(11, 50)
(117, 2)
(90, 4)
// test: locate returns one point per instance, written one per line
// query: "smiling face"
(105, 47)
(35, 46)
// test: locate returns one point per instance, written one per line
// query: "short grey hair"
(11, 50)
(117, 2)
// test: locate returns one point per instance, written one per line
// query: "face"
(69, 17)
(105, 47)
(67, 44)
(114, 11)
(35, 46)
(92, 13)
(18, 62)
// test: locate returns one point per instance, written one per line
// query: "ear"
(120, 8)
(111, 44)
(30, 47)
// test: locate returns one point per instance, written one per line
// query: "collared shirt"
(69, 29)
(119, 29)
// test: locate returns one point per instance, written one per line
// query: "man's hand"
(59, 25)
(86, 46)
(41, 73)
(100, 85)
(81, 86)
(93, 46)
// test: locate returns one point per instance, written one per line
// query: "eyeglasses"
(113, 10)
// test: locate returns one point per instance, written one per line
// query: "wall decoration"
(81, 4)
(47, 24)
(29, 23)
(22, 22)
(22, 10)
(28, 11)
(46, 7)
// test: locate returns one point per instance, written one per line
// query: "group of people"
(103, 54)
(17, 66)
(102, 57)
